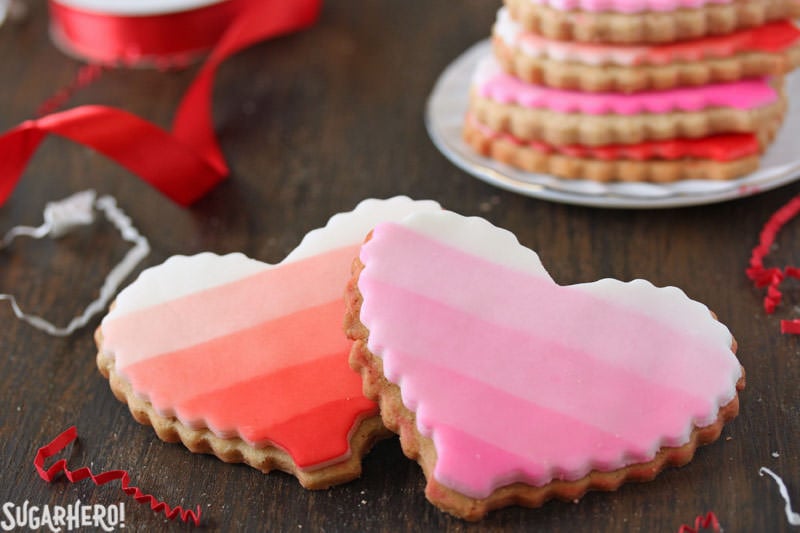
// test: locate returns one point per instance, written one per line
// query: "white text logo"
(58, 518)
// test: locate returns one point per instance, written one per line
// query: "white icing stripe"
(344, 229)
(226, 309)
(535, 46)
(182, 275)
(476, 236)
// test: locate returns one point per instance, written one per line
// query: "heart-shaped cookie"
(248, 360)
(509, 388)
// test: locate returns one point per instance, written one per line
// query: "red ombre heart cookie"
(247, 360)
(508, 388)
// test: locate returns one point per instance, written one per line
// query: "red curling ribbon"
(702, 522)
(64, 439)
(187, 162)
(772, 277)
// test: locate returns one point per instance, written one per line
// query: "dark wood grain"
(311, 124)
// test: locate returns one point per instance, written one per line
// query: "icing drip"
(543, 382)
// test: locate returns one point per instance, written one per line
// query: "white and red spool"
(155, 33)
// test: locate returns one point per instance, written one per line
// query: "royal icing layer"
(250, 349)
(492, 83)
(771, 37)
(516, 378)
(626, 6)
(722, 148)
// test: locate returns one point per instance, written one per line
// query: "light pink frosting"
(626, 6)
(492, 83)
(516, 378)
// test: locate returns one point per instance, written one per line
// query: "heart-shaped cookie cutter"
(62, 217)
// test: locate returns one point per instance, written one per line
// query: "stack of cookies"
(634, 90)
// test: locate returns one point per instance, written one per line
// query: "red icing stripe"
(269, 407)
(722, 148)
(772, 37)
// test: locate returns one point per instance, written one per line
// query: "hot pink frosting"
(626, 6)
(516, 378)
(492, 83)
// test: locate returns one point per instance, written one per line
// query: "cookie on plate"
(508, 388)
(645, 21)
(713, 131)
(772, 49)
(247, 360)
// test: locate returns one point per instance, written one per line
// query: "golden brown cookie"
(644, 21)
(560, 117)
(772, 49)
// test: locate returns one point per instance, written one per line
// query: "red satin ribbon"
(187, 162)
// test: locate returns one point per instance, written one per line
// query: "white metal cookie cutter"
(60, 218)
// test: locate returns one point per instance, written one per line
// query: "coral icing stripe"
(626, 6)
(744, 94)
(570, 316)
(207, 314)
(278, 344)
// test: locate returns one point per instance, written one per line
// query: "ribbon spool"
(186, 162)
(140, 33)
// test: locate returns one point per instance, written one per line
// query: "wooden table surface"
(311, 124)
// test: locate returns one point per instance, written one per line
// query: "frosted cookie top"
(626, 6)
(771, 37)
(516, 378)
(489, 81)
(253, 350)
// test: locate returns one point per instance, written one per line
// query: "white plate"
(447, 106)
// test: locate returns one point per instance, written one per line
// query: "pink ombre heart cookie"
(508, 388)
(248, 360)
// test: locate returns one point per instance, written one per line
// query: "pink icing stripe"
(205, 315)
(743, 94)
(546, 443)
(639, 410)
(280, 343)
(571, 314)
(626, 6)
(476, 467)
